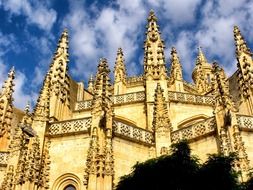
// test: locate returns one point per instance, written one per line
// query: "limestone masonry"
(79, 138)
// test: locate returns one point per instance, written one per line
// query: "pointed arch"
(191, 120)
(66, 180)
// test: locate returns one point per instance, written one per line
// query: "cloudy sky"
(30, 30)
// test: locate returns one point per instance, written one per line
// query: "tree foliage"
(181, 171)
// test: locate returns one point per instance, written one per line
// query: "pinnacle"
(173, 50)
(27, 108)
(91, 79)
(174, 54)
(64, 34)
(120, 51)
(11, 72)
(152, 17)
(236, 29)
(120, 57)
(201, 57)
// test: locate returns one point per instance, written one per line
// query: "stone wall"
(68, 155)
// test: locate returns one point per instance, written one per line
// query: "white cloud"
(214, 32)
(102, 35)
(21, 97)
(3, 71)
(36, 13)
(178, 12)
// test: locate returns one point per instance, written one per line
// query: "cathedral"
(86, 138)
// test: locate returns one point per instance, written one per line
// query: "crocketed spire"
(154, 59)
(6, 103)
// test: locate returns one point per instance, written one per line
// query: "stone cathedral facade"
(79, 138)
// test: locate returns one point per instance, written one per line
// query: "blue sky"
(29, 32)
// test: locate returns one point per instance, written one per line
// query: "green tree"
(175, 171)
(217, 173)
(181, 171)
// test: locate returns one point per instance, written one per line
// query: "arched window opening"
(70, 187)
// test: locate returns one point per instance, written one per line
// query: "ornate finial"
(27, 107)
(152, 17)
(120, 69)
(91, 80)
(91, 84)
(176, 68)
(153, 33)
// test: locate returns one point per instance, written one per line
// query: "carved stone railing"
(129, 98)
(118, 99)
(194, 131)
(71, 126)
(190, 98)
(134, 79)
(245, 121)
(133, 133)
(83, 105)
(3, 158)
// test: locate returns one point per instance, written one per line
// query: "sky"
(30, 29)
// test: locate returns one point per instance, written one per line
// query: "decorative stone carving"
(68, 127)
(133, 133)
(195, 131)
(119, 68)
(45, 167)
(190, 98)
(8, 182)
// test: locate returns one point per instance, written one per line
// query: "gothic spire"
(153, 32)
(120, 69)
(202, 73)
(154, 59)
(221, 89)
(201, 58)
(59, 66)
(244, 64)
(240, 43)
(8, 85)
(176, 67)
(41, 111)
(61, 54)
(6, 103)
